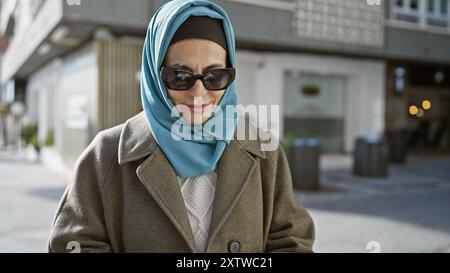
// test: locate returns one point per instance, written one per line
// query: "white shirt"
(198, 194)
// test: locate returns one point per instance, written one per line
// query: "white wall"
(42, 89)
(260, 81)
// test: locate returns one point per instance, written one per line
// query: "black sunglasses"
(181, 80)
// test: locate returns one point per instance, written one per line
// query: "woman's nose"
(198, 89)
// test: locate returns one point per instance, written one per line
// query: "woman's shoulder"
(109, 144)
(107, 139)
(102, 150)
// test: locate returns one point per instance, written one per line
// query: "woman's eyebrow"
(216, 65)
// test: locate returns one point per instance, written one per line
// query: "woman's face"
(197, 56)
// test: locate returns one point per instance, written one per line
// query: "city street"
(408, 212)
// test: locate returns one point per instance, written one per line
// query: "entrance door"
(314, 107)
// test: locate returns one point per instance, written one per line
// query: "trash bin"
(398, 141)
(370, 157)
(305, 164)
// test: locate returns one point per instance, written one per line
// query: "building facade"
(337, 69)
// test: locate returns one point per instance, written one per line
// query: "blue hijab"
(192, 156)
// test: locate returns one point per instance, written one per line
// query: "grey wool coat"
(124, 197)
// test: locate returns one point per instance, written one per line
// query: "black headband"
(202, 27)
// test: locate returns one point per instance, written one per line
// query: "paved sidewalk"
(29, 194)
(406, 212)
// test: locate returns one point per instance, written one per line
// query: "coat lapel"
(156, 173)
(159, 178)
(234, 170)
(233, 173)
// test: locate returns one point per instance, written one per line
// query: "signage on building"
(310, 90)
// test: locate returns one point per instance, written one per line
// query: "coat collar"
(136, 140)
(159, 178)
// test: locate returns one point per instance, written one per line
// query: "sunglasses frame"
(200, 77)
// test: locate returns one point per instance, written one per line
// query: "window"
(405, 10)
(431, 4)
(444, 7)
(437, 7)
(427, 12)
(409, 7)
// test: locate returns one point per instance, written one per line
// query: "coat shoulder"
(105, 143)
(100, 153)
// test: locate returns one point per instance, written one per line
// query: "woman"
(144, 186)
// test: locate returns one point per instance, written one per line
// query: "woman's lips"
(198, 107)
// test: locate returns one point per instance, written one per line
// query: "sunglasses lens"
(218, 79)
(178, 79)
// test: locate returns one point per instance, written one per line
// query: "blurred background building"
(338, 69)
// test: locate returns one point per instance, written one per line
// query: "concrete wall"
(126, 14)
(416, 44)
(260, 81)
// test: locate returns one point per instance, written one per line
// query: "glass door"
(314, 108)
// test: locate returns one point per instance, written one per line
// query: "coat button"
(234, 246)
